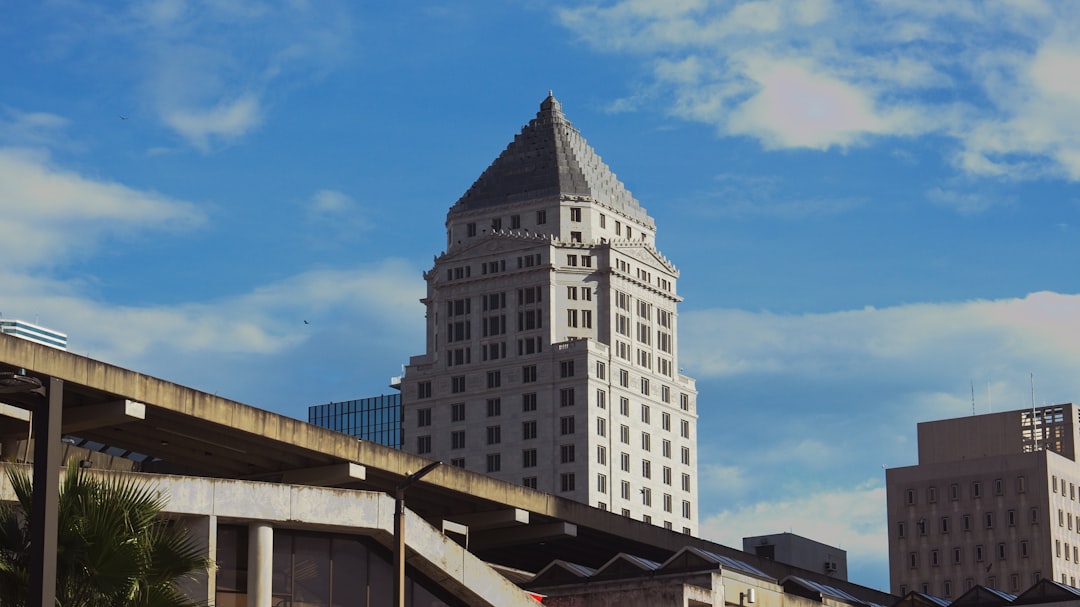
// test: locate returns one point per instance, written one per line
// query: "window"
(624, 462)
(909, 497)
(665, 421)
(935, 558)
(624, 434)
(457, 439)
(1001, 551)
(979, 553)
(457, 412)
(999, 487)
(566, 454)
(624, 378)
(646, 496)
(1021, 484)
(967, 522)
(646, 441)
(665, 448)
(575, 214)
(496, 224)
(989, 520)
(645, 386)
(515, 222)
(684, 428)
(494, 463)
(1034, 516)
(494, 435)
(566, 481)
(956, 556)
(913, 560)
(601, 370)
(566, 397)
(1023, 549)
(900, 529)
(423, 417)
(686, 482)
(528, 402)
(665, 394)
(470, 229)
(954, 492)
(601, 455)
(528, 430)
(566, 368)
(944, 524)
(1011, 517)
(576, 237)
(667, 502)
(423, 444)
(494, 379)
(976, 489)
(931, 494)
(624, 406)
(457, 384)
(423, 389)
(601, 426)
(624, 492)
(601, 483)
(528, 374)
(541, 217)
(686, 456)
(646, 468)
(529, 481)
(494, 407)
(566, 425)
(528, 458)
(457, 462)
(666, 476)
(645, 413)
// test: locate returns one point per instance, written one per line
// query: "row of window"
(975, 490)
(956, 555)
(946, 589)
(967, 522)
(494, 379)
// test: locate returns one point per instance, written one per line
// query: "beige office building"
(993, 501)
(552, 353)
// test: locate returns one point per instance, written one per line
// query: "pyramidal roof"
(549, 158)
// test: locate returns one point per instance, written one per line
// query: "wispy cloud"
(817, 74)
(52, 213)
(850, 518)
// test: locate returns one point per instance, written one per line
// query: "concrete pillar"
(260, 564)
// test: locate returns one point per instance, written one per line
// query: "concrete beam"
(531, 534)
(106, 414)
(326, 476)
(494, 519)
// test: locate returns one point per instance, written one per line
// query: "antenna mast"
(1032, 376)
(973, 398)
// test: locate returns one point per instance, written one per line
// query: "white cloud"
(926, 346)
(999, 79)
(51, 213)
(228, 120)
(850, 518)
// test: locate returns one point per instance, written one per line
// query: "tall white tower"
(552, 350)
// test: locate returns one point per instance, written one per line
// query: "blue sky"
(874, 205)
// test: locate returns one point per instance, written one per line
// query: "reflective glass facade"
(376, 419)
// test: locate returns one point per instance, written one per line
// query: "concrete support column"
(260, 564)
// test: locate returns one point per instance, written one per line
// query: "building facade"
(799, 551)
(34, 333)
(552, 354)
(376, 418)
(993, 501)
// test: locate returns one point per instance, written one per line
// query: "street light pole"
(399, 530)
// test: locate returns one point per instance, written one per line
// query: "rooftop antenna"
(973, 398)
(1032, 376)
